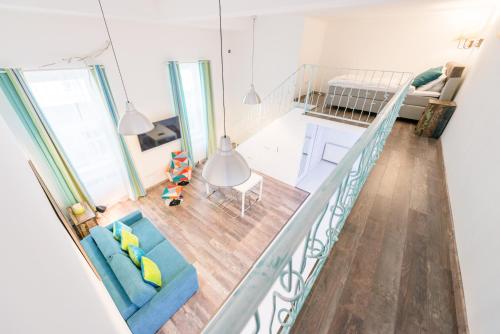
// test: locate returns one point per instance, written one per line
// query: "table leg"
(207, 188)
(243, 204)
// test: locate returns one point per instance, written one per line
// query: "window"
(72, 106)
(197, 119)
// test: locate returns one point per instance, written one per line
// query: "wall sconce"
(467, 43)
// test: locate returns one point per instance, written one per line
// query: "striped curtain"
(137, 189)
(206, 85)
(19, 96)
(180, 107)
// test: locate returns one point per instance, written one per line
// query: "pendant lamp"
(131, 122)
(226, 167)
(252, 97)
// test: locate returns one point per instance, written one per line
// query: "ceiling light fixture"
(131, 122)
(226, 167)
(252, 97)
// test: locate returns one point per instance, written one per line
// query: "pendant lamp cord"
(113, 49)
(222, 67)
(253, 43)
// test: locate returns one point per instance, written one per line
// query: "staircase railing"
(275, 104)
(271, 295)
(311, 88)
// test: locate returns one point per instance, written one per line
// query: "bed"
(371, 94)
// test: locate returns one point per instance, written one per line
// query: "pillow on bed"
(427, 76)
(435, 85)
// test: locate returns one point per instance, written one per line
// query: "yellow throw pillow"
(128, 238)
(150, 272)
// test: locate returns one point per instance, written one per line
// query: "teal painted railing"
(272, 293)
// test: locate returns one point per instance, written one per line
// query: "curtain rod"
(55, 69)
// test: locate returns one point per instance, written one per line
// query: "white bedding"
(384, 83)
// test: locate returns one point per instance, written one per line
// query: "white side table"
(254, 180)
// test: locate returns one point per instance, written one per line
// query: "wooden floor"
(391, 271)
(220, 247)
(323, 110)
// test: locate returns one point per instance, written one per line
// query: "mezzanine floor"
(393, 269)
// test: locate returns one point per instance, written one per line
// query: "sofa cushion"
(116, 291)
(165, 303)
(105, 241)
(130, 279)
(168, 259)
(148, 235)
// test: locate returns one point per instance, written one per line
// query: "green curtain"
(19, 96)
(180, 107)
(206, 84)
(102, 81)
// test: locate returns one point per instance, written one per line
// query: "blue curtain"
(206, 89)
(27, 110)
(180, 107)
(102, 81)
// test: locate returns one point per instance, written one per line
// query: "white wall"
(472, 160)
(143, 49)
(405, 40)
(313, 40)
(278, 41)
(45, 285)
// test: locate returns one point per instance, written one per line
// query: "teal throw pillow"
(118, 227)
(135, 253)
(427, 76)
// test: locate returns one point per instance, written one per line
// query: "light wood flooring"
(220, 247)
(394, 267)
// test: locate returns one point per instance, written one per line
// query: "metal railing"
(271, 295)
(274, 105)
(351, 95)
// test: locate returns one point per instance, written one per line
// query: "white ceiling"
(206, 10)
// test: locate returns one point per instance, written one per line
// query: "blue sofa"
(144, 308)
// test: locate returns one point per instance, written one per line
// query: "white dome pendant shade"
(133, 122)
(226, 167)
(252, 97)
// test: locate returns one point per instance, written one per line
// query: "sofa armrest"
(152, 315)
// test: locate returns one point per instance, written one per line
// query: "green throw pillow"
(427, 76)
(150, 272)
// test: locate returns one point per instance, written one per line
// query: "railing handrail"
(282, 83)
(232, 316)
